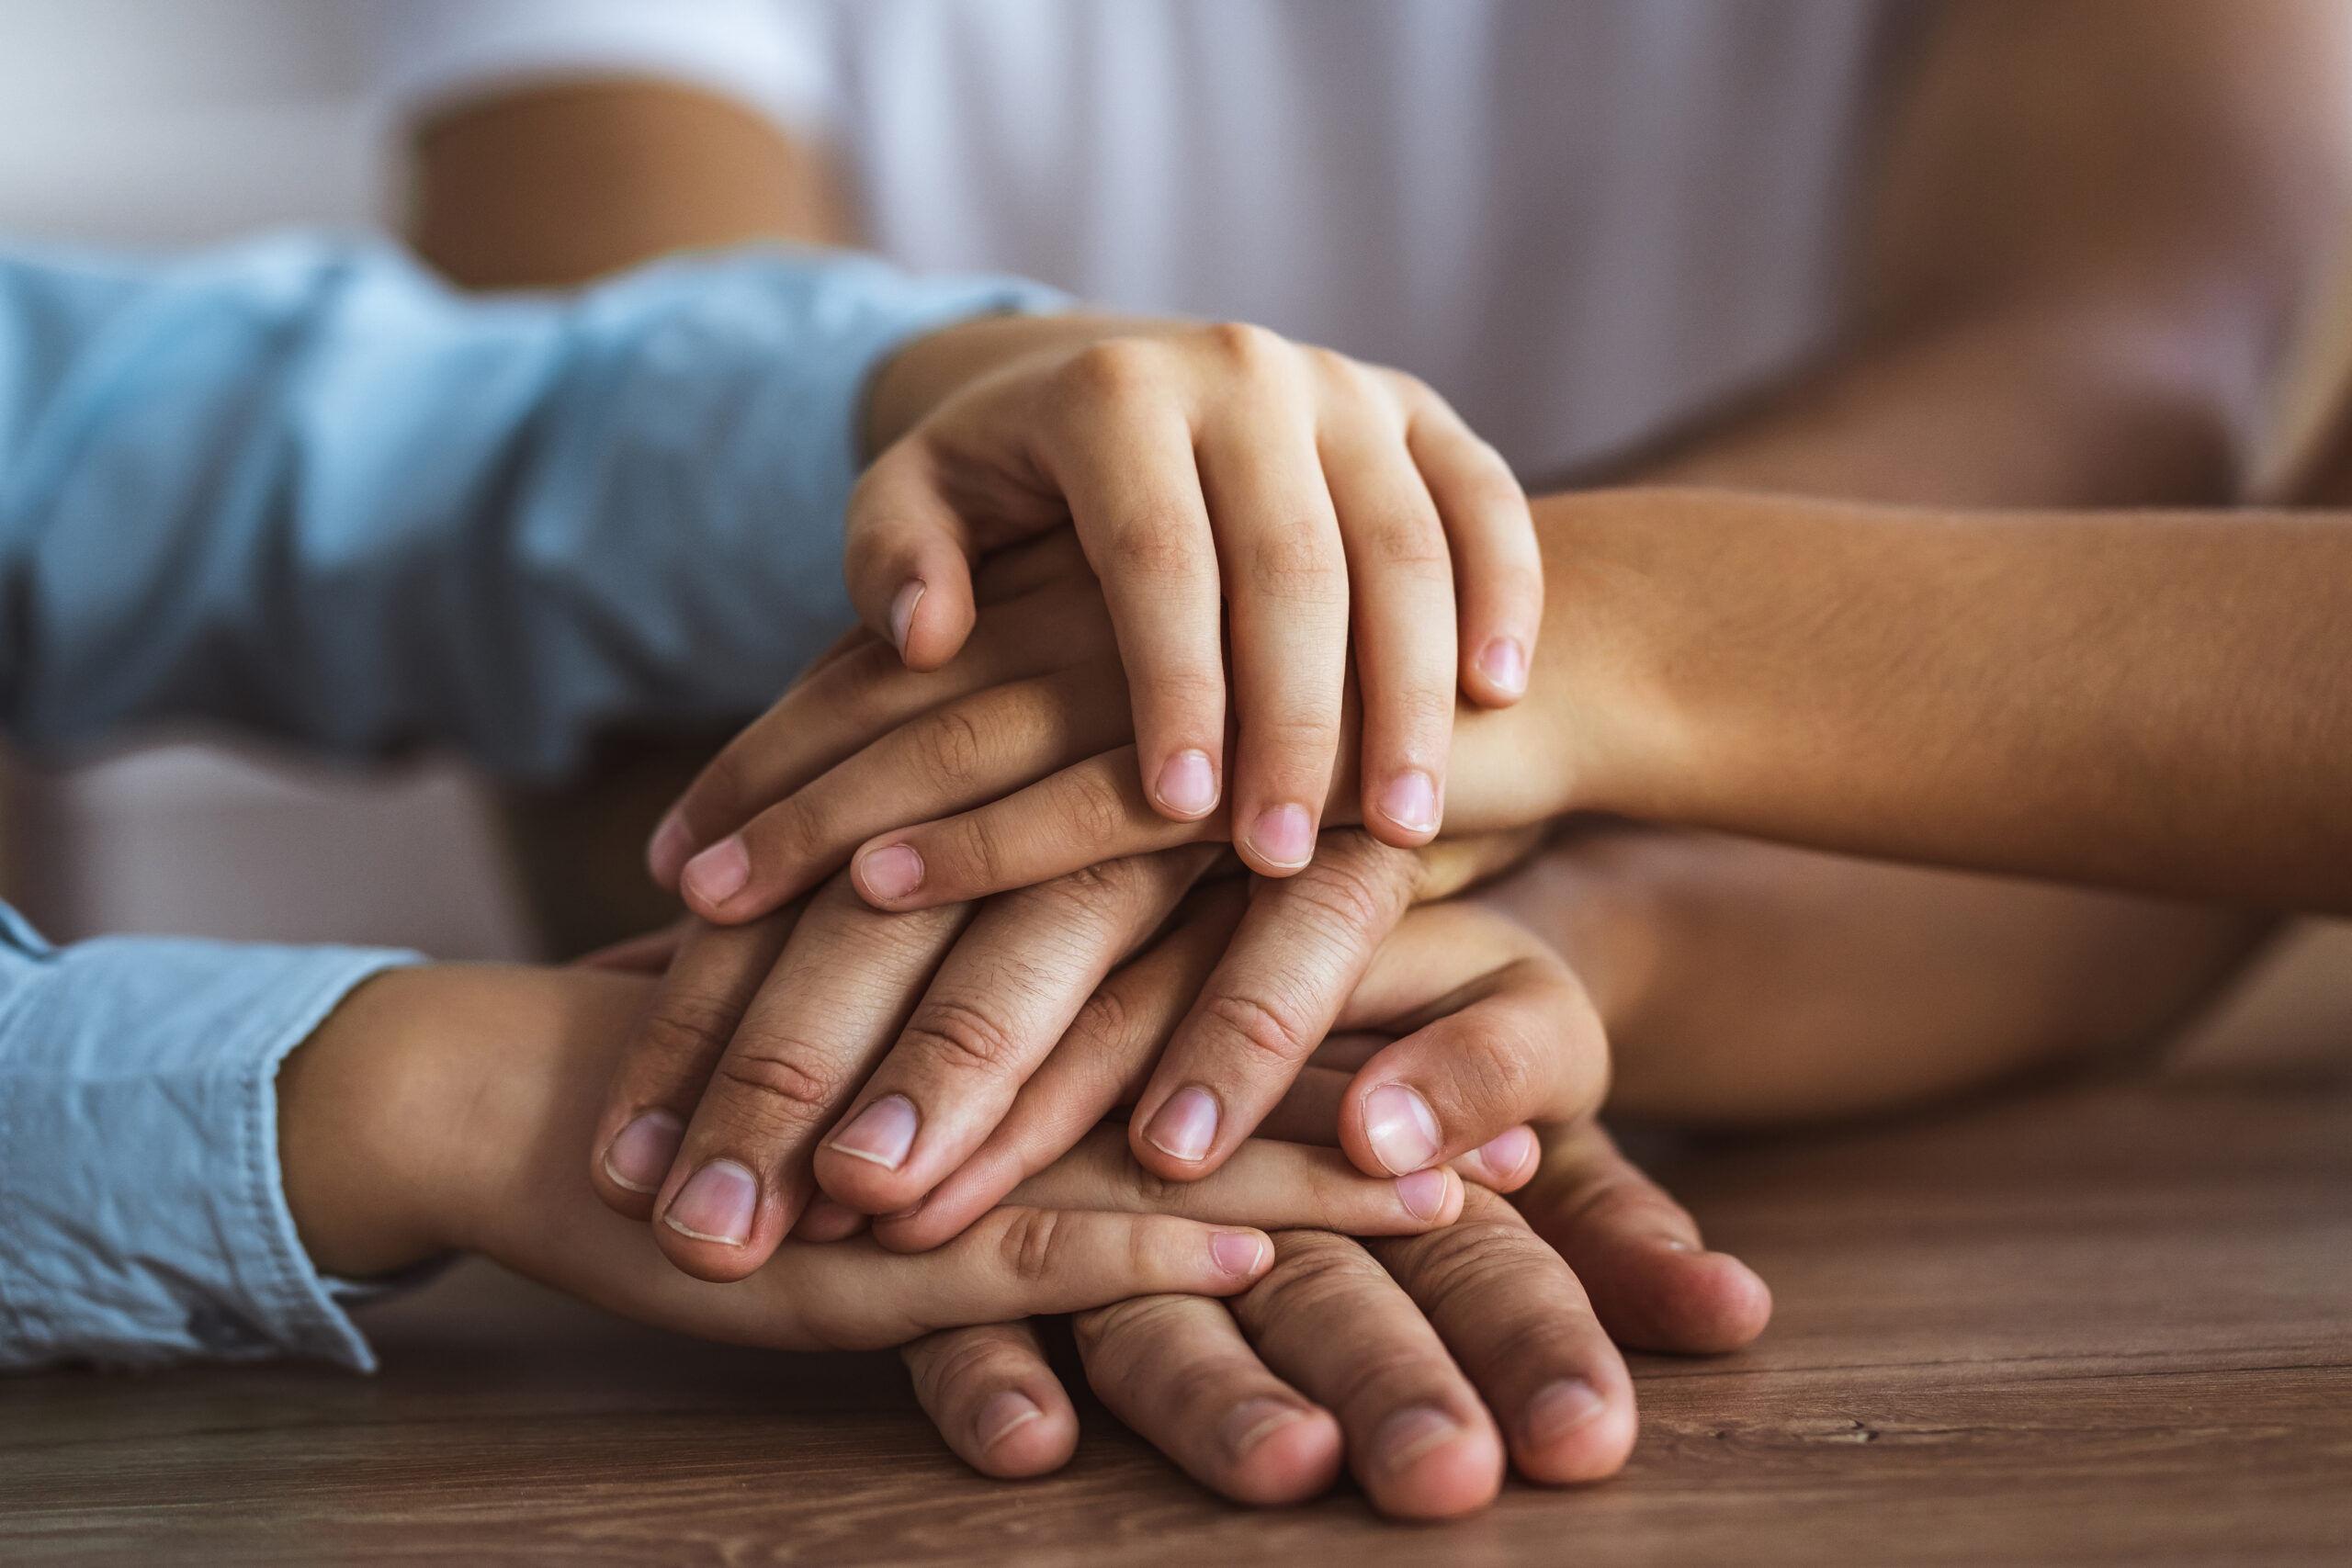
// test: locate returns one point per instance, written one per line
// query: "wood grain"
(2108, 1325)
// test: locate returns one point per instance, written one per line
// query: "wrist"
(930, 370)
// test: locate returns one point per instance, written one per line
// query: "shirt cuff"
(143, 1209)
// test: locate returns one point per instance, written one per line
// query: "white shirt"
(1576, 219)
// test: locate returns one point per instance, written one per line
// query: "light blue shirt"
(300, 487)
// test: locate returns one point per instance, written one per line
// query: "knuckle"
(1093, 810)
(1313, 1275)
(1103, 1021)
(1471, 1264)
(964, 1036)
(1118, 371)
(1160, 548)
(683, 1026)
(780, 1081)
(949, 746)
(1298, 561)
(963, 1364)
(1032, 1246)
(974, 849)
(1245, 345)
(1139, 1321)
(1271, 1032)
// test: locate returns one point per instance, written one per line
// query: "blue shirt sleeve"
(298, 486)
(142, 1216)
(302, 487)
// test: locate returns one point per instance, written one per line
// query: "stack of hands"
(1038, 965)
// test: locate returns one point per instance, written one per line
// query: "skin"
(2094, 327)
(437, 1108)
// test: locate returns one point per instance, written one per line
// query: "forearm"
(552, 185)
(1745, 984)
(2156, 702)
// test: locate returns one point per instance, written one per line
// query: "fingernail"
(1186, 1125)
(1253, 1421)
(891, 872)
(715, 1204)
(1422, 1193)
(718, 874)
(1283, 835)
(902, 613)
(1402, 1131)
(1508, 1152)
(1560, 1408)
(1409, 800)
(1187, 786)
(640, 1157)
(1004, 1415)
(1504, 664)
(1408, 1435)
(668, 850)
(882, 1133)
(1236, 1252)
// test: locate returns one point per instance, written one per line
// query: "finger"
(1298, 954)
(994, 1399)
(1121, 447)
(1309, 1113)
(649, 955)
(1653, 1282)
(1014, 1263)
(1328, 1319)
(1517, 1322)
(1496, 1032)
(1286, 590)
(1101, 1061)
(670, 1054)
(831, 1003)
(1497, 570)
(976, 748)
(1266, 1184)
(1002, 998)
(859, 692)
(1401, 586)
(1177, 1369)
(908, 558)
(1089, 812)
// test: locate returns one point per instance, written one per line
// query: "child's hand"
(1222, 483)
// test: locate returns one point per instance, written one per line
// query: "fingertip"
(713, 879)
(1506, 1162)
(1239, 1258)
(1498, 672)
(1279, 840)
(1431, 1197)
(669, 850)
(1186, 788)
(1404, 809)
(888, 875)
(1277, 1453)
(1016, 1436)
(1570, 1431)
(930, 618)
(1428, 1463)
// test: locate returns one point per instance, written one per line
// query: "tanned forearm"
(2096, 229)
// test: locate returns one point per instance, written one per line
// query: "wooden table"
(2109, 1325)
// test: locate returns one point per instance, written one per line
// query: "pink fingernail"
(1283, 835)
(892, 871)
(1507, 1152)
(882, 1133)
(1560, 1408)
(1504, 664)
(1399, 1126)
(640, 1157)
(1186, 1125)
(1422, 1193)
(1409, 800)
(718, 874)
(902, 613)
(668, 850)
(1408, 1435)
(1236, 1252)
(1253, 1421)
(1187, 783)
(716, 1204)
(1004, 1415)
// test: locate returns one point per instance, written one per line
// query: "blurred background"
(172, 123)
